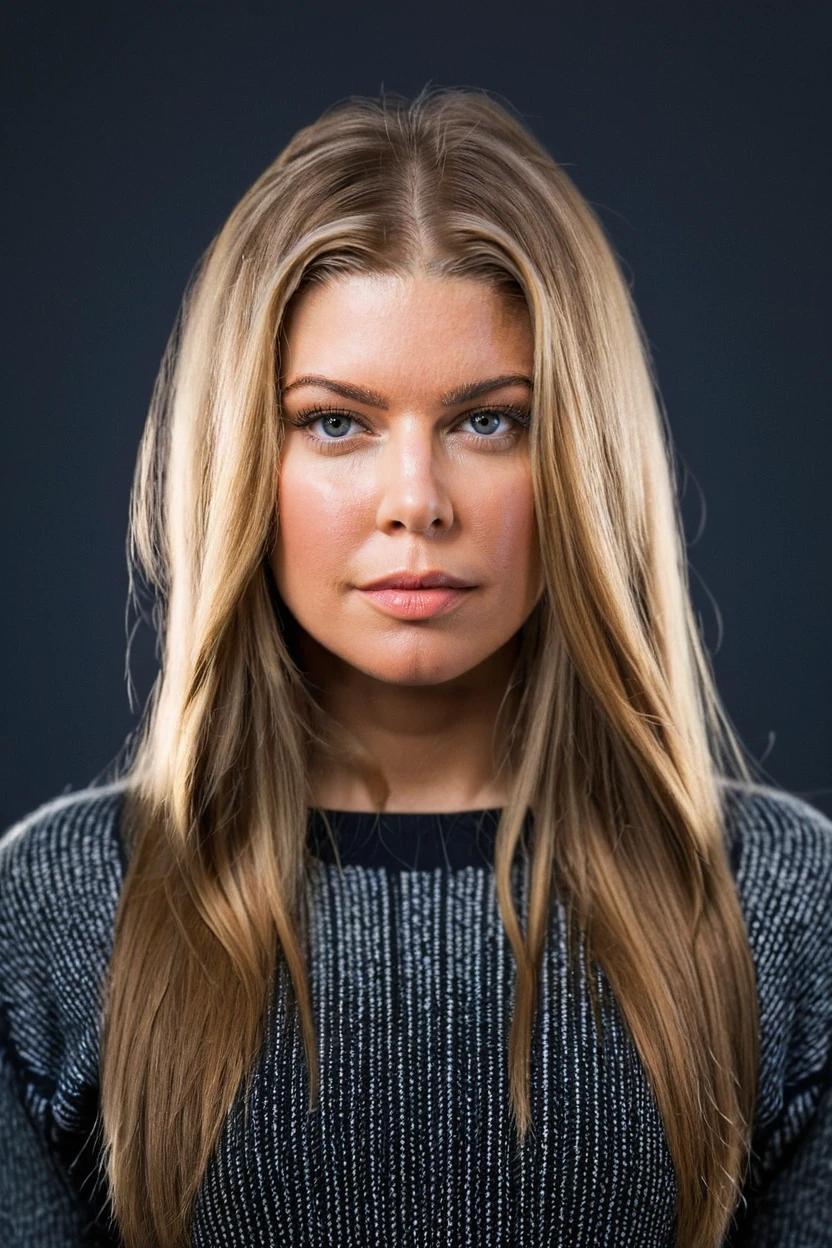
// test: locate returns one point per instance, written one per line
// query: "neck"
(432, 744)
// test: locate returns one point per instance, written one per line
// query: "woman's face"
(406, 456)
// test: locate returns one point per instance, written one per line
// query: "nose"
(413, 489)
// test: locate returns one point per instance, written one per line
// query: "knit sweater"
(412, 980)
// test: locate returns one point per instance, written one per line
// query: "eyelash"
(307, 416)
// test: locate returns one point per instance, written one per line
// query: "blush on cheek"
(507, 530)
(319, 527)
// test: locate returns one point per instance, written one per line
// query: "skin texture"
(409, 486)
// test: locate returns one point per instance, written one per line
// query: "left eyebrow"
(462, 394)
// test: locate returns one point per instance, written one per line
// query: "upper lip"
(427, 580)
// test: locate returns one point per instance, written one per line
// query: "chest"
(412, 1142)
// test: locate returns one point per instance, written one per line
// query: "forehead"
(414, 331)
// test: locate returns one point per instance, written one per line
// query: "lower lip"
(416, 604)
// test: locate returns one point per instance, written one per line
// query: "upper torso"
(412, 977)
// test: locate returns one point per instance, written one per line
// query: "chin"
(421, 666)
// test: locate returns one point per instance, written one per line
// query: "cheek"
(503, 518)
(321, 522)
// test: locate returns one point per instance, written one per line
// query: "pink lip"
(408, 581)
(416, 604)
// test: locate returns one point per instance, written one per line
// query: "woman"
(436, 903)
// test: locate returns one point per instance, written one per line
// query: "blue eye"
(336, 424)
(480, 419)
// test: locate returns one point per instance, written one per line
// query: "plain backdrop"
(701, 138)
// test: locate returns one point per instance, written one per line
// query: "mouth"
(405, 581)
(407, 597)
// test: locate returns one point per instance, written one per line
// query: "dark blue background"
(701, 138)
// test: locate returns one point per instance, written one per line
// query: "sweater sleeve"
(37, 1205)
(785, 884)
(59, 882)
(794, 1209)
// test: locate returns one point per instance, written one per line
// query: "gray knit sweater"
(412, 982)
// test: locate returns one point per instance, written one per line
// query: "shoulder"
(62, 847)
(61, 870)
(781, 853)
(763, 809)
(780, 848)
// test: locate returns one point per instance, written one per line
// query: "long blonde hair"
(619, 745)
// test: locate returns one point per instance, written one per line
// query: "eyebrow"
(359, 394)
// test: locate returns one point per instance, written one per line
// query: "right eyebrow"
(358, 394)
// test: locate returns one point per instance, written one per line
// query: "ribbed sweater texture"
(412, 984)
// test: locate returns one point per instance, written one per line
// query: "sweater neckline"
(405, 841)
